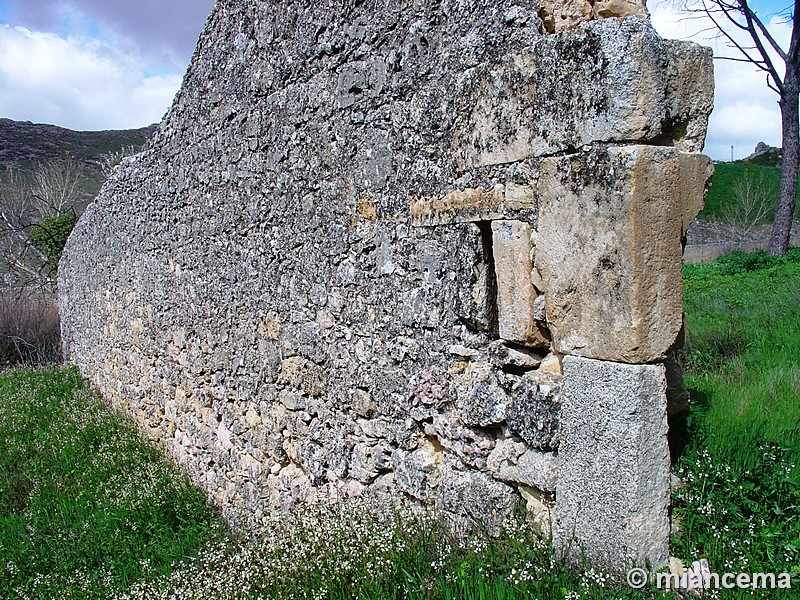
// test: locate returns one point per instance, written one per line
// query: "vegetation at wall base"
(90, 510)
(86, 505)
(740, 506)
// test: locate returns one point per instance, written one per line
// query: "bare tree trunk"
(790, 125)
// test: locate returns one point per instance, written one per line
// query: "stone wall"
(424, 249)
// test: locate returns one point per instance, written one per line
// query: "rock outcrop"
(419, 249)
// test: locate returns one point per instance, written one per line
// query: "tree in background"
(782, 67)
(37, 214)
(753, 194)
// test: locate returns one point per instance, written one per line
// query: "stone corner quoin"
(426, 251)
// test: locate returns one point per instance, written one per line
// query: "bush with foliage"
(50, 235)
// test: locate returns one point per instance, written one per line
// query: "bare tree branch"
(28, 205)
(731, 19)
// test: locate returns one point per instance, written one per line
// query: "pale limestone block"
(604, 9)
(560, 15)
(609, 248)
(511, 243)
(627, 85)
(614, 470)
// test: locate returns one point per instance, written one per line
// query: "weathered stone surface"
(306, 250)
(504, 355)
(540, 506)
(480, 399)
(471, 446)
(370, 460)
(559, 15)
(690, 90)
(476, 287)
(619, 8)
(609, 248)
(677, 394)
(418, 473)
(612, 87)
(533, 409)
(552, 364)
(471, 205)
(614, 464)
(511, 244)
(513, 462)
(563, 15)
(476, 499)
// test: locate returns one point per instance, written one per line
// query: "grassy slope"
(725, 174)
(86, 505)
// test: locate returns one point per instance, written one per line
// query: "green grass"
(742, 352)
(722, 184)
(86, 505)
(740, 507)
(366, 551)
(89, 510)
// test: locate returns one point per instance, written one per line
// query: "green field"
(721, 191)
(742, 505)
(762, 173)
(88, 509)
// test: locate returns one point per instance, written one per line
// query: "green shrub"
(50, 235)
(745, 262)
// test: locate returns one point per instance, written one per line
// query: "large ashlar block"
(562, 15)
(511, 245)
(613, 481)
(608, 81)
(609, 248)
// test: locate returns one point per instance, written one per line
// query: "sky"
(745, 109)
(95, 64)
(117, 64)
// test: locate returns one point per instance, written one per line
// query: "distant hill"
(763, 156)
(23, 145)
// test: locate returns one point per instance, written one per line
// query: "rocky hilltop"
(23, 143)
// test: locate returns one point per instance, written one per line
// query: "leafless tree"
(110, 160)
(31, 207)
(735, 21)
(753, 195)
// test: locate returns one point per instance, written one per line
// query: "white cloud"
(78, 83)
(745, 109)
